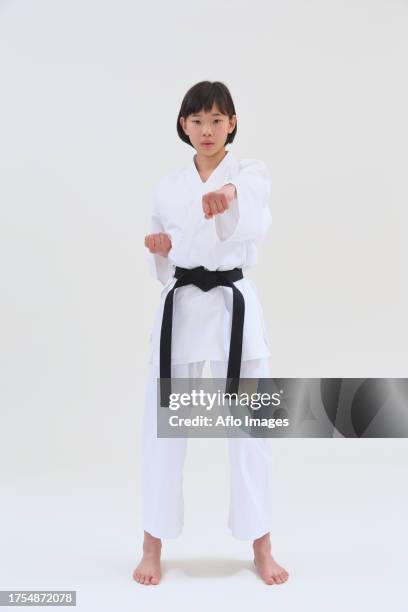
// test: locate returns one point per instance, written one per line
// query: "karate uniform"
(201, 332)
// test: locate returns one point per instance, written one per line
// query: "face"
(208, 127)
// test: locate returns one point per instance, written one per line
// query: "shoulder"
(252, 165)
(250, 171)
(170, 180)
(170, 188)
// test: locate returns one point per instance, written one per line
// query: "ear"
(233, 123)
(183, 125)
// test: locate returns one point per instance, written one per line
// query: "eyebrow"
(201, 114)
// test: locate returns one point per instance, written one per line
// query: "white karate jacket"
(202, 320)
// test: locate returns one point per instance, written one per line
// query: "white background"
(90, 93)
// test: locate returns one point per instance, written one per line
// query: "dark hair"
(202, 96)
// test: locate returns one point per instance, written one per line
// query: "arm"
(159, 266)
(248, 216)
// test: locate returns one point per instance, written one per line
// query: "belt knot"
(204, 279)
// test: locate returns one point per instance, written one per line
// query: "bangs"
(203, 99)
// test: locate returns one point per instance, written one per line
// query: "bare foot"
(270, 571)
(148, 570)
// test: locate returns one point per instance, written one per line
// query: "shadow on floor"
(207, 567)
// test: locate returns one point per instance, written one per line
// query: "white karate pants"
(162, 461)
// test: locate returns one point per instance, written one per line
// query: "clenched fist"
(216, 202)
(160, 243)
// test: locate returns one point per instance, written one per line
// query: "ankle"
(151, 545)
(262, 545)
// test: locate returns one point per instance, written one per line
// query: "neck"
(206, 163)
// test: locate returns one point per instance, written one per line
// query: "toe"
(154, 580)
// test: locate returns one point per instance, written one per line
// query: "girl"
(210, 215)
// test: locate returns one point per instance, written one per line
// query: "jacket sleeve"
(159, 266)
(248, 216)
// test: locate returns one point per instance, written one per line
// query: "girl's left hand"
(216, 202)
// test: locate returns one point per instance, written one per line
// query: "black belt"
(205, 280)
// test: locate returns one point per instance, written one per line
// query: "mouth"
(207, 144)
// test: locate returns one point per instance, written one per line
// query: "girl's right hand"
(160, 243)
